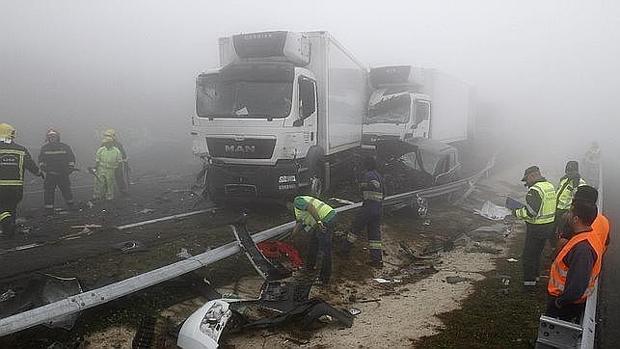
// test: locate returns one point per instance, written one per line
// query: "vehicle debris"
(354, 311)
(183, 253)
(130, 246)
(512, 260)
(6, 295)
(455, 279)
(266, 269)
(493, 212)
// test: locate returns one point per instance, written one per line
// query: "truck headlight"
(287, 179)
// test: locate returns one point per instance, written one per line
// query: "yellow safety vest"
(325, 212)
(546, 213)
(566, 192)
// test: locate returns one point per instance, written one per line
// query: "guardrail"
(555, 333)
(89, 299)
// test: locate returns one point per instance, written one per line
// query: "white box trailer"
(451, 105)
(282, 108)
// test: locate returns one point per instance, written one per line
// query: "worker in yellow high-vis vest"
(14, 159)
(539, 216)
(316, 218)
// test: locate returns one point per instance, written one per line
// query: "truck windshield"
(395, 110)
(217, 98)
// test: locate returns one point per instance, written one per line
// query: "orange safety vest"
(600, 229)
(559, 270)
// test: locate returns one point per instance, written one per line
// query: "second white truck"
(409, 102)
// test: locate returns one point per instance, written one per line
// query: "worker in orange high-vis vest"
(577, 266)
(600, 226)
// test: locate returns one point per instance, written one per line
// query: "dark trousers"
(536, 237)
(370, 219)
(320, 248)
(60, 181)
(122, 178)
(10, 196)
(569, 312)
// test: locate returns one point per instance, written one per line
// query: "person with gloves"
(57, 160)
(108, 159)
(14, 159)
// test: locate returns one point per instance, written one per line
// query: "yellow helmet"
(110, 133)
(7, 131)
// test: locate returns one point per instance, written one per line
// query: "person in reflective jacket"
(566, 188)
(14, 159)
(539, 216)
(369, 215)
(108, 159)
(316, 218)
(577, 266)
(57, 160)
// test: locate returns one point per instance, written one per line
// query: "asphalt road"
(608, 329)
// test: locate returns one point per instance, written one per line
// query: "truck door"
(421, 121)
(307, 122)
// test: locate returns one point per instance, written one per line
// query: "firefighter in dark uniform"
(14, 159)
(369, 216)
(57, 160)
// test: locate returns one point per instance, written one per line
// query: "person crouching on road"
(107, 161)
(539, 215)
(14, 159)
(577, 266)
(369, 216)
(318, 219)
(57, 160)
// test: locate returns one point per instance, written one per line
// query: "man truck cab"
(280, 108)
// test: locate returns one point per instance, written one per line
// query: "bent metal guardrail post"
(102, 295)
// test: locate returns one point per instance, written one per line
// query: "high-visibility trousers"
(105, 184)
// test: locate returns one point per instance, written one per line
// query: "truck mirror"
(298, 123)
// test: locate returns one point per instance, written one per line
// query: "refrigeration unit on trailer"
(279, 111)
(409, 102)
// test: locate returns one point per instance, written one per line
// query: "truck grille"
(249, 148)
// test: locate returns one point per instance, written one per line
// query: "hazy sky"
(80, 65)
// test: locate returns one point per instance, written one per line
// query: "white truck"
(410, 102)
(283, 109)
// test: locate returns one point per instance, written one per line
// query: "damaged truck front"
(282, 109)
(410, 102)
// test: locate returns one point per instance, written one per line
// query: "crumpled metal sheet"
(493, 212)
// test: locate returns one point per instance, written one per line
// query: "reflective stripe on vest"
(546, 212)
(372, 195)
(18, 178)
(566, 192)
(306, 218)
(559, 270)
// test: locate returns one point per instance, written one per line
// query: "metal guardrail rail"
(555, 333)
(89, 299)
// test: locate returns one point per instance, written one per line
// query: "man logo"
(240, 148)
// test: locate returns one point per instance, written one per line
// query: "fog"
(547, 70)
